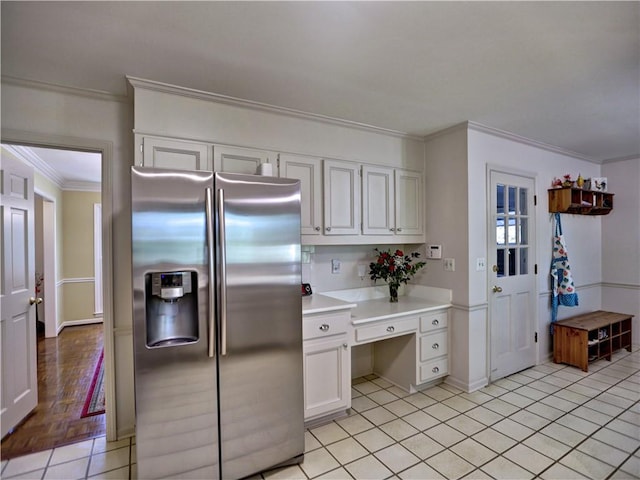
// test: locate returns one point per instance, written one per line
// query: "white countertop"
(372, 304)
(383, 309)
(318, 303)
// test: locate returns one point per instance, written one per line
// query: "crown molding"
(155, 86)
(496, 132)
(527, 141)
(77, 91)
(28, 156)
(622, 159)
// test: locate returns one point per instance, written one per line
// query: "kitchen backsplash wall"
(318, 272)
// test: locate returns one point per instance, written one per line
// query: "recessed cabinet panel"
(409, 216)
(341, 198)
(240, 160)
(378, 209)
(172, 153)
(309, 171)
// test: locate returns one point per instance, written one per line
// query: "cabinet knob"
(328, 229)
(345, 346)
(398, 229)
(390, 328)
(435, 369)
(435, 322)
(324, 327)
(392, 229)
(435, 346)
(317, 229)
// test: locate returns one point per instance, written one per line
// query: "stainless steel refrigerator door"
(260, 344)
(175, 385)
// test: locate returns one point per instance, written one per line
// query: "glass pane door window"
(512, 230)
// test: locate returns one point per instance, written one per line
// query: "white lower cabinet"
(327, 364)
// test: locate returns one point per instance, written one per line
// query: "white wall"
(456, 167)
(621, 242)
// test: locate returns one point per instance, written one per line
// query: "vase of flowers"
(394, 267)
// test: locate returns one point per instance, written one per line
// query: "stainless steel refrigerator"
(217, 318)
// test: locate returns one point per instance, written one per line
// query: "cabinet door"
(408, 203)
(327, 382)
(341, 198)
(378, 196)
(240, 160)
(172, 153)
(308, 171)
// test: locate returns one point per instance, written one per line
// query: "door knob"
(497, 289)
(35, 300)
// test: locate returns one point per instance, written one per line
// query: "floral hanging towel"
(563, 291)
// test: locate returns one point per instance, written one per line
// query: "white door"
(341, 197)
(409, 216)
(378, 201)
(172, 153)
(512, 274)
(308, 170)
(18, 322)
(240, 160)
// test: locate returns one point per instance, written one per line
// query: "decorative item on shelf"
(394, 267)
(567, 182)
(557, 183)
(587, 184)
(599, 184)
(579, 181)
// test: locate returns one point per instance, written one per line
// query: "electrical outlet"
(335, 266)
(481, 264)
(450, 264)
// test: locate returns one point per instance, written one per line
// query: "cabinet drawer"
(433, 321)
(435, 369)
(324, 325)
(434, 345)
(386, 329)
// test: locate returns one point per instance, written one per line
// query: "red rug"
(94, 404)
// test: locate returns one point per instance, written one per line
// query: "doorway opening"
(68, 278)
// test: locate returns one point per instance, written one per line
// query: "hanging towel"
(563, 291)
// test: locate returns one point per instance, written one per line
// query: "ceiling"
(562, 73)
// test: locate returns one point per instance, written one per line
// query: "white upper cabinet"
(378, 194)
(409, 200)
(341, 197)
(309, 171)
(173, 153)
(391, 201)
(240, 160)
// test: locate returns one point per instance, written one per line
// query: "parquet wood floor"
(65, 369)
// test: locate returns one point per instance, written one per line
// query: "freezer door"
(260, 315)
(175, 379)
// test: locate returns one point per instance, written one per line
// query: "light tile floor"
(549, 422)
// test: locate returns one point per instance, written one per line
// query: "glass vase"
(393, 292)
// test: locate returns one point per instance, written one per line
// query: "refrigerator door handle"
(223, 273)
(211, 261)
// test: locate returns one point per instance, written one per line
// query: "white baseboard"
(73, 323)
(465, 386)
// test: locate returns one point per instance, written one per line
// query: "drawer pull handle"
(435, 369)
(435, 322)
(435, 346)
(390, 329)
(324, 327)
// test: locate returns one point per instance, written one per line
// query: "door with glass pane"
(511, 275)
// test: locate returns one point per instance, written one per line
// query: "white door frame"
(105, 148)
(50, 296)
(491, 251)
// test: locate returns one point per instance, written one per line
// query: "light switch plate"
(335, 266)
(450, 264)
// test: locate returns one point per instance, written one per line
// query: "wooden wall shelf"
(578, 201)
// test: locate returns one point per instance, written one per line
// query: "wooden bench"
(588, 337)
